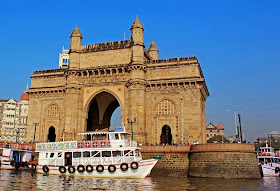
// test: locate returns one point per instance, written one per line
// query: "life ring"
(124, 166)
(71, 169)
(33, 166)
(277, 169)
(111, 168)
(81, 168)
(45, 168)
(62, 169)
(89, 168)
(134, 165)
(17, 165)
(99, 168)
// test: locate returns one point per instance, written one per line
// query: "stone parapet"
(223, 161)
(165, 149)
(225, 147)
(173, 160)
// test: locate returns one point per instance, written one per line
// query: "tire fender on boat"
(62, 169)
(71, 169)
(33, 166)
(111, 168)
(124, 166)
(17, 165)
(134, 165)
(89, 168)
(45, 168)
(81, 168)
(277, 169)
(99, 168)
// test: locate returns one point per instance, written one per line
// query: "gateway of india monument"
(161, 100)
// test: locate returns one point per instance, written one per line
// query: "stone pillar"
(71, 107)
(137, 83)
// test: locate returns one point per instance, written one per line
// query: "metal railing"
(20, 146)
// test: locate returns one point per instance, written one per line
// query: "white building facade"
(14, 119)
(64, 58)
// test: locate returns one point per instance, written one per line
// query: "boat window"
(51, 155)
(117, 153)
(128, 153)
(77, 154)
(59, 154)
(106, 153)
(114, 136)
(137, 153)
(95, 153)
(86, 154)
(47, 155)
(123, 136)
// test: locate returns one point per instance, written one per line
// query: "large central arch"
(100, 111)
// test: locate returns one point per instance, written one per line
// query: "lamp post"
(35, 124)
(131, 123)
(236, 128)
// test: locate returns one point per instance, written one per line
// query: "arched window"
(165, 107)
(52, 111)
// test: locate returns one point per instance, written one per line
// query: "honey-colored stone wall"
(223, 161)
(173, 160)
(105, 58)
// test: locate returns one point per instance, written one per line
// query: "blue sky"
(236, 43)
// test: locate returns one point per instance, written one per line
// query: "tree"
(218, 139)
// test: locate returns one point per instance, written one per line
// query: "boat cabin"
(92, 148)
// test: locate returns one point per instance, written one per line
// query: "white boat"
(15, 155)
(103, 155)
(269, 161)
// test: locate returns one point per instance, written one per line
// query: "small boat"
(102, 155)
(15, 155)
(269, 161)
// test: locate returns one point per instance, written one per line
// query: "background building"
(64, 58)
(212, 130)
(14, 119)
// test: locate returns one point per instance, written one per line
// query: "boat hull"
(143, 170)
(270, 170)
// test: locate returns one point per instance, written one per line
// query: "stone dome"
(153, 46)
(76, 32)
(137, 24)
(24, 97)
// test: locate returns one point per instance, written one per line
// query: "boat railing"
(94, 144)
(20, 146)
(84, 144)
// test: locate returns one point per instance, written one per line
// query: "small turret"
(153, 51)
(137, 32)
(75, 48)
(76, 39)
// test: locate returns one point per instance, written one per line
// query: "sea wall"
(223, 161)
(174, 160)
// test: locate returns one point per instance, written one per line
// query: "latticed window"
(165, 107)
(52, 111)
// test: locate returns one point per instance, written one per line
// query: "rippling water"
(26, 180)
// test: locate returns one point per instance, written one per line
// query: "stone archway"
(51, 135)
(100, 111)
(166, 136)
